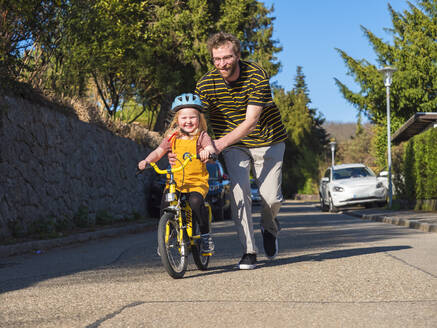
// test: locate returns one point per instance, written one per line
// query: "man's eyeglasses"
(225, 59)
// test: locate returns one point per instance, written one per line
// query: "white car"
(350, 184)
(254, 192)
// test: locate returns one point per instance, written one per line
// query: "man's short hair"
(220, 38)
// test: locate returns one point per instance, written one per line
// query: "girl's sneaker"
(206, 244)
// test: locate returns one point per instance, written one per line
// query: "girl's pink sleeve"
(153, 157)
(205, 140)
(165, 144)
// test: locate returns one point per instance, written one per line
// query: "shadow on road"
(337, 254)
(330, 255)
(305, 229)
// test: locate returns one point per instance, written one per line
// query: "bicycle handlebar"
(187, 158)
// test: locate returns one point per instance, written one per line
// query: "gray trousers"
(266, 165)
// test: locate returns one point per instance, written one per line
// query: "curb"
(408, 223)
(38, 245)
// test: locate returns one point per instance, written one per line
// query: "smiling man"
(249, 131)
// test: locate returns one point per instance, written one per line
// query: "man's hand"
(219, 145)
(172, 158)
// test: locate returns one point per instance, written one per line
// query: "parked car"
(219, 191)
(218, 195)
(350, 184)
(254, 192)
(383, 177)
(155, 195)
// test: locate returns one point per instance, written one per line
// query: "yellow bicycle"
(178, 233)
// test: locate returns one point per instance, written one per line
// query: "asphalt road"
(333, 270)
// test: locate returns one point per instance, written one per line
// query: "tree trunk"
(164, 117)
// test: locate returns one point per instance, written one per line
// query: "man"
(249, 132)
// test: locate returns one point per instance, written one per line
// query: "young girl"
(187, 133)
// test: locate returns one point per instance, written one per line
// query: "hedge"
(417, 174)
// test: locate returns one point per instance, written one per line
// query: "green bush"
(18, 228)
(409, 175)
(82, 218)
(416, 177)
(64, 224)
(104, 218)
(426, 164)
(44, 228)
(135, 217)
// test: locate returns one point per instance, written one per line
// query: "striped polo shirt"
(227, 104)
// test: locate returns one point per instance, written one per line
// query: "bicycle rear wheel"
(173, 249)
(200, 260)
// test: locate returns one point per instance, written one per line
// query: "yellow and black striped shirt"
(227, 104)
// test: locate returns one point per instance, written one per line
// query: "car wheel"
(381, 204)
(217, 214)
(154, 212)
(217, 211)
(323, 206)
(227, 215)
(332, 208)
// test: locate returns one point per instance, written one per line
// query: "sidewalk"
(424, 221)
(37, 246)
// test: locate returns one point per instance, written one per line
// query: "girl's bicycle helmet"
(187, 100)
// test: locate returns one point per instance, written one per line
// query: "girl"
(187, 133)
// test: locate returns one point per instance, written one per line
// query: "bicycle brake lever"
(139, 172)
(212, 157)
(142, 171)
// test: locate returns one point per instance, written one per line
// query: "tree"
(248, 20)
(23, 23)
(306, 137)
(357, 149)
(113, 44)
(118, 52)
(414, 54)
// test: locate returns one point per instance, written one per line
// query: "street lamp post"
(333, 144)
(388, 73)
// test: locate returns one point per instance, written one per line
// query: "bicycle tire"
(200, 260)
(174, 254)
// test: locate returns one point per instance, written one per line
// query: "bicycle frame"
(178, 234)
(185, 223)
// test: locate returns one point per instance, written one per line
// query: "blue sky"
(310, 30)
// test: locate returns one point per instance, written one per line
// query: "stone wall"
(52, 164)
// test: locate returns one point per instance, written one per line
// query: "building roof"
(417, 123)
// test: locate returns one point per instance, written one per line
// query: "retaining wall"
(52, 164)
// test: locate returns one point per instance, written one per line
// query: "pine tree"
(306, 137)
(414, 53)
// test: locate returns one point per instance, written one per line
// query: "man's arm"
(253, 113)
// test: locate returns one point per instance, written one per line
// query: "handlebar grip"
(142, 171)
(212, 157)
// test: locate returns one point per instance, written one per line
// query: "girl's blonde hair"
(173, 128)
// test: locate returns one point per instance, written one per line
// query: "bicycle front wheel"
(200, 260)
(172, 247)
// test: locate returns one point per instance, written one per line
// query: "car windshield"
(351, 172)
